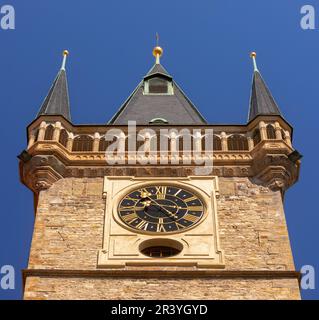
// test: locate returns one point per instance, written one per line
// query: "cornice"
(154, 273)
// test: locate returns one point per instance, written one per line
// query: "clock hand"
(168, 212)
(146, 195)
(146, 203)
(171, 215)
(170, 206)
(160, 209)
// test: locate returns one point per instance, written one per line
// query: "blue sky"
(206, 48)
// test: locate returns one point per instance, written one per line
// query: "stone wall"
(69, 230)
(252, 227)
(108, 289)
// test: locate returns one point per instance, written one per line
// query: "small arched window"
(49, 132)
(185, 141)
(140, 142)
(63, 137)
(160, 252)
(256, 137)
(217, 143)
(158, 121)
(271, 133)
(82, 143)
(237, 142)
(105, 143)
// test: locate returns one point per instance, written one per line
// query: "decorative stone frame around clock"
(121, 244)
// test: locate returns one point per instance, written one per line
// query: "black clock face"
(161, 209)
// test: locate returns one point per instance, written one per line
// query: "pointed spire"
(57, 100)
(261, 100)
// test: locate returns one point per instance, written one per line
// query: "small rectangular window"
(157, 85)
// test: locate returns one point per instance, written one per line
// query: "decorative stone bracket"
(276, 171)
(41, 172)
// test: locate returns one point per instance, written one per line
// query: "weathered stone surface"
(160, 289)
(69, 231)
(252, 227)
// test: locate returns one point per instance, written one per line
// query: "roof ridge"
(124, 104)
(189, 101)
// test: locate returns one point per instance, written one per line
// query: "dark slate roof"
(261, 100)
(57, 100)
(176, 108)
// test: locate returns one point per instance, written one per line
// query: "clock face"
(161, 209)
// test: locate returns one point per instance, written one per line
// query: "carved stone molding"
(271, 166)
(277, 184)
(41, 172)
(276, 171)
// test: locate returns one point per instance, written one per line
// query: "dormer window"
(158, 86)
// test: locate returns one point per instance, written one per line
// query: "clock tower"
(157, 203)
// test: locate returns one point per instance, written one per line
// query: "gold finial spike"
(65, 55)
(157, 51)
(253, 55)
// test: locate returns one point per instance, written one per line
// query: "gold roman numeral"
(145, 190)
(127, 208)
(142, 225)
(144, 193)
(190, 199)
(179, 226)
(195, 208)
(160, 228)
(130, 217)
(161, 192)
(190, 218)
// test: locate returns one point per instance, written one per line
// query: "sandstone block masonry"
(68, 233)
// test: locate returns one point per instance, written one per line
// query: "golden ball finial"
(66, 52)
(157, 51)
(253, 54)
